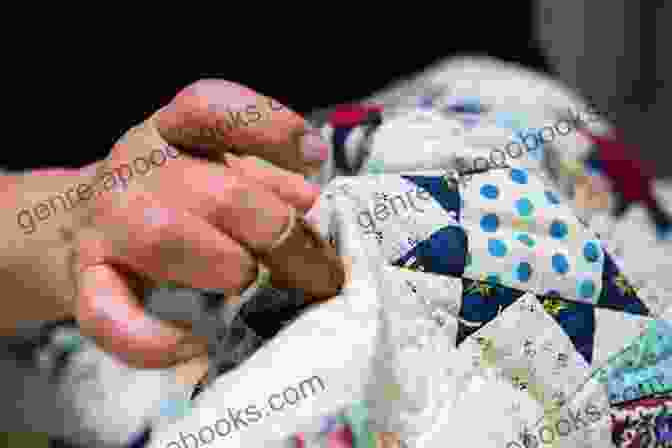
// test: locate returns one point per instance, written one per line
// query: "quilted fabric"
(483, 309)
(462, 292)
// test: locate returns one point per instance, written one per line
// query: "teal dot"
(524, 272)
(519, 176)
(175, 408)
(551, 197)
(489, 191)
(558, 229)
(468, 260)
(560, 263)
(496, 247)
(492, 279)
(526, 240)
(489, 222)
(72, 344)
(375, 166)
(591, 252)
(524, 207)
(586, 289)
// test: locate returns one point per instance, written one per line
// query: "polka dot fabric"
(520, 231)
(486, 281)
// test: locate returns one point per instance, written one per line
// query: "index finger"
(212, 117)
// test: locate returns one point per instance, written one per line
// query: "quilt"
(480, 308)
(485, 304)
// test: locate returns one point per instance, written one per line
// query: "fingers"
(213, 245)
(165, 243)
(244, 209)
(302, 259)
(211, 117)
(161, 244)
(109, 312)
(258, 218)
(288, 186)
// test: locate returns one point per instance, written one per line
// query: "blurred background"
(90, 79)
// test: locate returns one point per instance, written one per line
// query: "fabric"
(630, 180)
(643, 424)
(633, 178)
(461, 292)
(512, 100)
(483, 307)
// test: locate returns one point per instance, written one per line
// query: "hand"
(202, 217)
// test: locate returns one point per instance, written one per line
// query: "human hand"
(203, 217)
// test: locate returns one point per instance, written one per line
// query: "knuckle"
(235, 190)
(197, 97)
(86, 250)
(203, 87)
(194, 97)
(161, 234)
(94, 212)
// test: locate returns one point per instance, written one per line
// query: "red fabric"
(631, 176)
(350, 115)
(341, 438)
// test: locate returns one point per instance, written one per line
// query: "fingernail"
(313, 148)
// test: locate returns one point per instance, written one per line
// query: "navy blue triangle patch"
(576, 319)
(482, 301)
(444, 252)
(617, 293)
(437, 187)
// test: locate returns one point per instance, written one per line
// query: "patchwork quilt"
(482, 306)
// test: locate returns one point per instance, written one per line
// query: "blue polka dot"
(552, 198)
(524, 207)
(466, 105)
(591, 252)
(489, 222)
(560, 263)
(489, 191)
(586, 289)
(524, 272)
(492, 279)
(496, 247)
(526, 240)
(558, 229)
(518, 176)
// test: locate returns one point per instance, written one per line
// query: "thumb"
(212, 117)
(109, 311)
